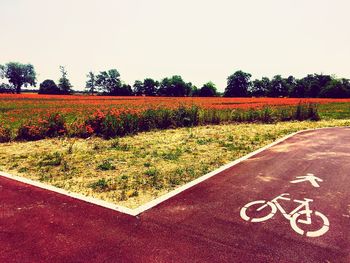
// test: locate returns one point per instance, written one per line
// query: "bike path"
(201, 224)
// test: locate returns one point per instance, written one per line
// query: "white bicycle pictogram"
(302, 209)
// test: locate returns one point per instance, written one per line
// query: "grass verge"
(133, 170)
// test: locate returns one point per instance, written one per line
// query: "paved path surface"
(203, 223)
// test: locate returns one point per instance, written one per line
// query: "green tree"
(48, 86)
(18, 75)
(109, 83)
(298, 90)
(238, 84)
(194, 92)
(138, 88)
(150, 87)
(278, 87)
(208, 90)
(260, 88)
(174, 86)
(90, 85)
(125, 90)
(64, 83)
(6, 88)
(290, 85)
(314, 83)
(336, 88)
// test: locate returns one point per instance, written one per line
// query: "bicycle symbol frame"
(302, 209)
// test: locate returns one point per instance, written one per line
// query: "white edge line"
(70, 194)
(153, 203)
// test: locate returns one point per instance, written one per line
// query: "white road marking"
(302, 209)
(308, 178)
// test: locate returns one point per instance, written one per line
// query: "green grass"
(334, 111)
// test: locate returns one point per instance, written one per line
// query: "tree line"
(239, 84)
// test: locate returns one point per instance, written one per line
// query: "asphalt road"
(214, 221)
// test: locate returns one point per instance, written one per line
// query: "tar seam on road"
(155, 202)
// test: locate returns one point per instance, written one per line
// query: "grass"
(133, 170)
(335, 110)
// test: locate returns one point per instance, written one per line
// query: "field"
(17, 109)
(144, 163)
(32, 117)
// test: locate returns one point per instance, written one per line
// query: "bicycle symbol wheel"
(264, 204)
(316, 233)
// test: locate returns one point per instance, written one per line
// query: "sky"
(200, 40)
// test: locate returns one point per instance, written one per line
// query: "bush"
(306, 112)
(52, 126)
(31, 132)
(186, 117)
(81, 130)
(5, 134)
(112, 123)
(49, 87)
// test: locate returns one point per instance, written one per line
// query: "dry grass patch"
(133, 170)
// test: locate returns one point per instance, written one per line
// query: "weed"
(65, 166)
(151, 172)
(106, 165)
(96, 147)
(100, 185)
(70, 148)
(172, 155)
(54, 159)
(204, 141)
(124, 177)
(116, 145)
(123, 196)
(15, 165)
(23, 170)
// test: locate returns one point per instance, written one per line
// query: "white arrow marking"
(308, 177)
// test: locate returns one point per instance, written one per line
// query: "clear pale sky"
(200, 40)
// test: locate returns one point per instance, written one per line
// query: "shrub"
(81, 130)
(113, 123)
(55, 125)
(306, 112)
(186, 117)
(313, 112)
(48, 86)
(5, 134)
(52, 126)
(266, 115)
(31, 132)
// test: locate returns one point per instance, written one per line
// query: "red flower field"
(18, 107)
(22, 110)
